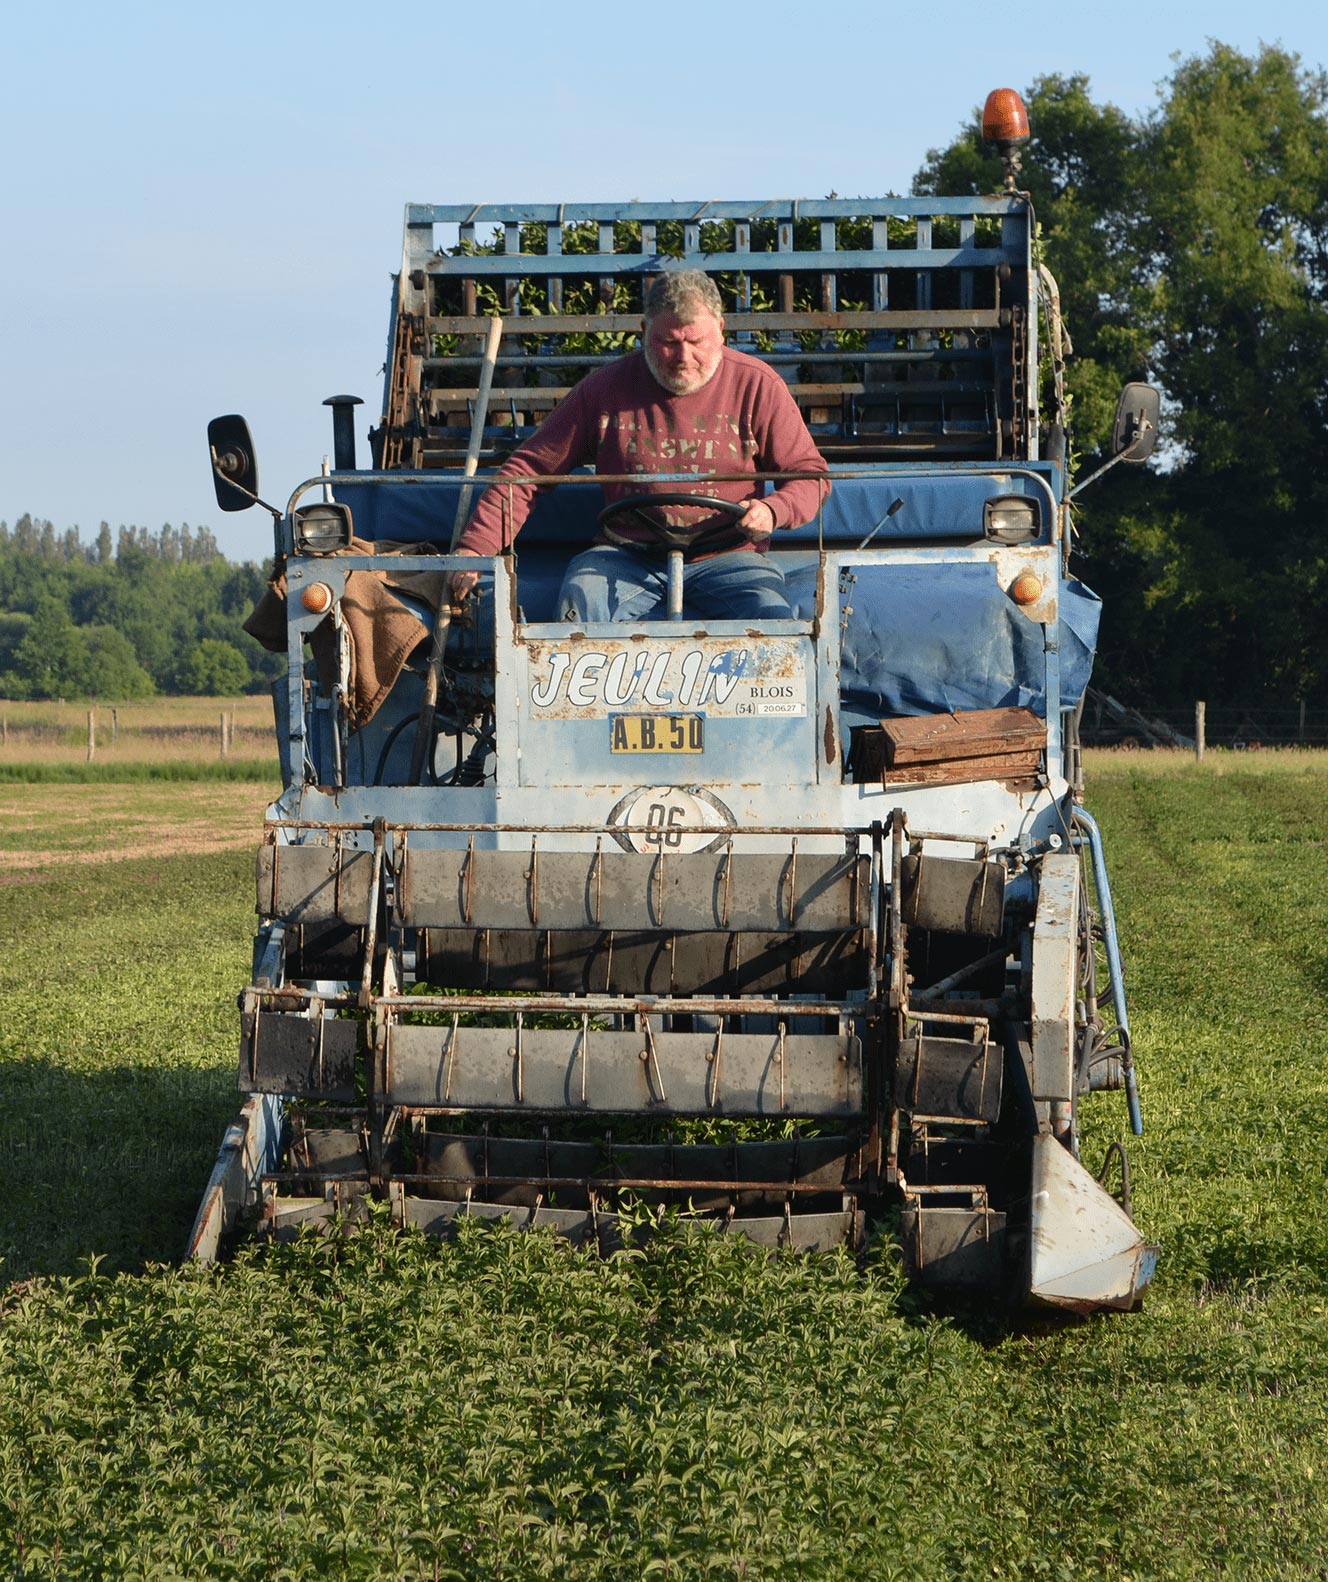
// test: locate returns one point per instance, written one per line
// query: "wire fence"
(1107, 722)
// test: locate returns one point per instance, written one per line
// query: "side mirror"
(1134, 437)
(234, 469)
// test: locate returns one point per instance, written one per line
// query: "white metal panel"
(1054, 958)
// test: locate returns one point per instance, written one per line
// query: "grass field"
(169, 738)
(502, 1406)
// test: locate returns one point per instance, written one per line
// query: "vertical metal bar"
(652, 1057)
(449, 1058)
(1117, 973)
(783, 1096)
(793, 884)
(605, 244)
(967, 232)
(742, 245)
(532, 882)
(520, 1054)
(873, 921)
(371, 923)
(674, 605)
(468, 869)
(829, 281)
(553, 246)
(897, 986)
(714, 1057)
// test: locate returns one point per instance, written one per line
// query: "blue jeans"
(610, 584)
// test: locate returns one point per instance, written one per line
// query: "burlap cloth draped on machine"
(383, 631)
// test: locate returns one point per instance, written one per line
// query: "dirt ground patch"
(49, 826)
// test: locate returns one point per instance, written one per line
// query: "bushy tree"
(213, 669)
(1191, 244)
(113, 671)
(51, 659)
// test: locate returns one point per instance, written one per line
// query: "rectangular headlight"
(322, 529)
(1011, 519)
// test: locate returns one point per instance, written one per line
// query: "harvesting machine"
(779, 922)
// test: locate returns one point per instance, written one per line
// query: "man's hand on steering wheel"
(757, 521)
(743, 519)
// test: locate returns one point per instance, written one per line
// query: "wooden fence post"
(115, 725)
(223, 733)
(1302, 719)
(92, 735)
(1200, 709)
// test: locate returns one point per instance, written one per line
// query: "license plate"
(656, 733)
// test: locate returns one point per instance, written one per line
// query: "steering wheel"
(637, 505)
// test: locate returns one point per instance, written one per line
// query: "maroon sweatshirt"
(743, 421)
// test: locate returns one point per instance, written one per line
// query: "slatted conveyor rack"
(903, 326)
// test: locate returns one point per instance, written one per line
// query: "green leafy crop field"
(501, 1406)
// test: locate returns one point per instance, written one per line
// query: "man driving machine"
(684, 403)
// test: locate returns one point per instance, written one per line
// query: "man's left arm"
(784, 444)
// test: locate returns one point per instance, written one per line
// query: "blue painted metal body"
(907, 330)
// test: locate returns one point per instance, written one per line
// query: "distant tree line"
(125, 616)
(1191, 249)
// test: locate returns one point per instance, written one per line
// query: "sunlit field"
(382, 1406)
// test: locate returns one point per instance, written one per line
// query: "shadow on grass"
(109, 1163)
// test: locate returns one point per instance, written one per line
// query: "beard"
(683, 384)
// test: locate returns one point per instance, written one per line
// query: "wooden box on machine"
(950, 749)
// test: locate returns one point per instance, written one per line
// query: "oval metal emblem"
(670, 819)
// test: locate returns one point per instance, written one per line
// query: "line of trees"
(147, 612)
(1191, 248)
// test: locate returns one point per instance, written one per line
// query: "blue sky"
(203, 204)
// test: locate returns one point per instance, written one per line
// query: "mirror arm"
(221, 473)
(1094, 475)
(1121, 455)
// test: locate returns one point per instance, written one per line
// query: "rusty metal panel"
(585, 961)
(597, 678)
(636, 1072)
(248, 1150)
(438, 1217)
(520, 1169)
(314, 883)
(949, 1079)
(946, 1246)
(619, 890)
(1055, 968)
(955, 895)
(304, 1056)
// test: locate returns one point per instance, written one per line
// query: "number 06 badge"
(653, 819)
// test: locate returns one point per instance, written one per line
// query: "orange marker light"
(1026, 588)
(1004, 119)
(317, 598)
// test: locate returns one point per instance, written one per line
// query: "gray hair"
(682, 292)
